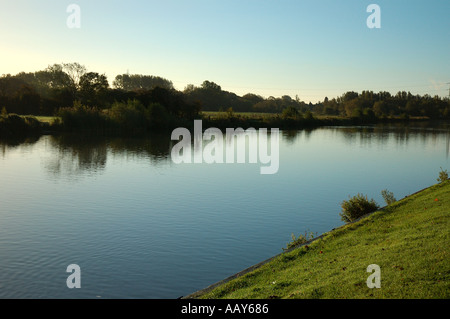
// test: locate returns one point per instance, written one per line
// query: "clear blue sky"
(309, 48)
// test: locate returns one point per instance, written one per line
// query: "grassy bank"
(408, 240)
(133, 119)
(12, 126)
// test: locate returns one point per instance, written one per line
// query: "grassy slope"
(409, 240)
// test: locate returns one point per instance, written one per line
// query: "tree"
(65, 76)
(353, 108)
(253, 98)
(92, 87)
(75, 71)
(189, 89)
(348, 96)
(55, 77)
(207, 85)
(290, 112)
(380, 108)
(133, 82)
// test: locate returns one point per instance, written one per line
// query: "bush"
(157, 116)
(356, 207)
(15, 125)
(290, 112)
(443, 176)
(388, 196)
(129, 116)
(81, 117)
(300, 240)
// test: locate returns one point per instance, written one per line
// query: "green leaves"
(356, 207)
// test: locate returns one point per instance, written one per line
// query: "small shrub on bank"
(82, 117)
(356, 207)
(443, 176)
(130, 115)
(388, 196)
(300, 240)
(290, 113)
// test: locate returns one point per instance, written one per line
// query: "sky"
(307, 48)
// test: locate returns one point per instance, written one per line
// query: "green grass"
(41, 118)
(408, 239)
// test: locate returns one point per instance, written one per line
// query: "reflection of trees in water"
(77, 154)
(156, 148)
(290, 136)
(73, 155)
(401, 133)
(11, 143)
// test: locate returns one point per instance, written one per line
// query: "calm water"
(140, 226)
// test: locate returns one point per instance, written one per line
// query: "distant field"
(44, 119)
(252, 115)
(257, 115)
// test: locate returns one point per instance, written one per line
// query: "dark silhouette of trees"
(93, 89)
(133, 82)
(371, 105)
(65, 85)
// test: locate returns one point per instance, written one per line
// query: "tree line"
(65, 85)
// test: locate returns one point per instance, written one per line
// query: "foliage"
(93, 88)
(129, 115)
(230, 113)
(132, 82)
(388, 196)
(13, 125)
(290, 112)
(443, 176)
(356, 207)
(308, 115)
(300, 240)
(82, 117)
(59, 86)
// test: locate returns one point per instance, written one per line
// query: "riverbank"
(408, 240)
(85, 121)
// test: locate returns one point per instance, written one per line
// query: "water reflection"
(72, 155)
(402, 134)
(121, 225)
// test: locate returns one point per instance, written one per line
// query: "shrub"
(290, 112)
(443, 176)
(130, 115)
(81, 117)
(308, 116)
(356, 207)
(300, 240)
(15, 125)
(388, 196)
(157, 116)
(230, 113)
